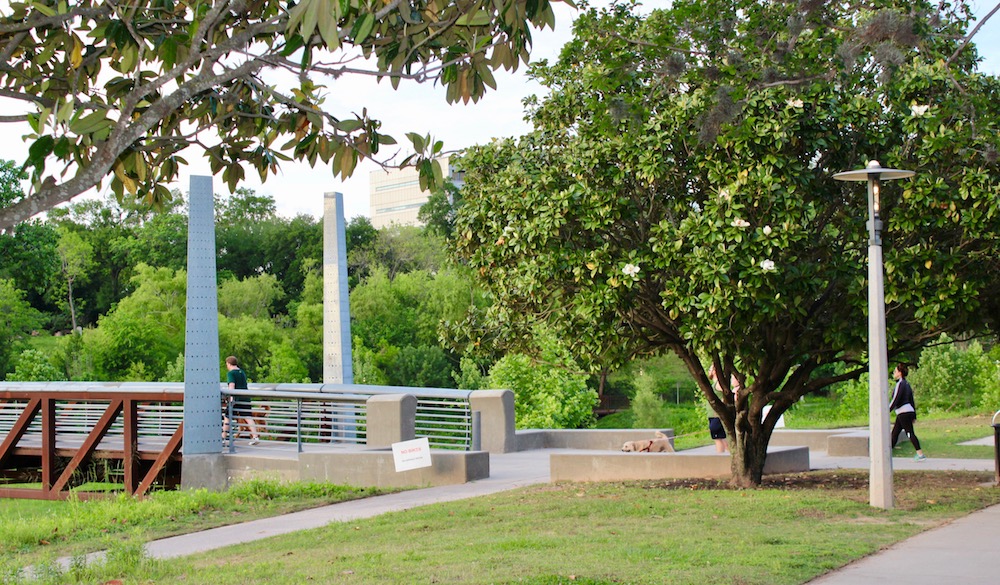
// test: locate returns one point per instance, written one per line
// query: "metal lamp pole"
(880, 451)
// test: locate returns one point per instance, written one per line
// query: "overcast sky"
(423, 109)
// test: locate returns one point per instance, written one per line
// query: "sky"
(422, 108)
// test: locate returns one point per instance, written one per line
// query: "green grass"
(34, 530)
(649, 532)
(644, 532)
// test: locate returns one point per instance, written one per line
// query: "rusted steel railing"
(51, 432)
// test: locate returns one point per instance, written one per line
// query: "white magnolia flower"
(916, 110)
(795, 103)
(724, 195)
(740, 223)
(631, 270)
(767, 265)
(767, 230)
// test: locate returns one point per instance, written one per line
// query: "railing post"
(477, 431)
(391, 418)
(232, 424)
(298, 424)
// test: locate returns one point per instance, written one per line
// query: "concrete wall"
(647, 466)
(374, 468)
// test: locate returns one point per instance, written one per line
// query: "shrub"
(951, 378)
(647, 406)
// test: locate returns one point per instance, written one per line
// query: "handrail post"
(298, 424)
(232, 424)
(477, 431)
(996, 446)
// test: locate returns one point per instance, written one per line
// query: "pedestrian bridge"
(60, 435)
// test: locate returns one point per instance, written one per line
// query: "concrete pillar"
(337, 365)
(391, 418)
(497, 419)
(203, 465)
(202, 413)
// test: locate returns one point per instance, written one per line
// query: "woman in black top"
(906, 410)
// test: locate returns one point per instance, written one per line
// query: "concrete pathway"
(960, 552)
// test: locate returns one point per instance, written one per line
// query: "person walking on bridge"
(237, 380)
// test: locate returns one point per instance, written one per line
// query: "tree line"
(97, 292)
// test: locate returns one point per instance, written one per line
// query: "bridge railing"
(338, 412)
(300, 413)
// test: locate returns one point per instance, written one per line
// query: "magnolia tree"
(118, 89)
(676, 194)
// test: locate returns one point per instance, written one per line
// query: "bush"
(853, 398)
(952, 378)
(550, 393)
(647, 406)
(33, 366)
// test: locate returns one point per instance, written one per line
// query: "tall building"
(395, 195)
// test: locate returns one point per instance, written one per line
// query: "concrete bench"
(596, 439)
(616, 466)
(853, 444)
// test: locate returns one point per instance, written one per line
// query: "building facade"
(395, 196)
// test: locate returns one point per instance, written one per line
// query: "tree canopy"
(120, 89)
(676, 194)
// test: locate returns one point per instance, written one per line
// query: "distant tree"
(307, 314)
(398, 250)
(438, 214)
(252, 297)
(76, 257)
(31, 260)
(119, 91)
(290, 246)
(244, 206)
(424, 366)
(28, 251)
(11, 176)
(147, 327)
(17, 320)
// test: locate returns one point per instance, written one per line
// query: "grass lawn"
(685, 532)
(34, 530)
(694, 531)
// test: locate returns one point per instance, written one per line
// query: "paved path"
(960, 552)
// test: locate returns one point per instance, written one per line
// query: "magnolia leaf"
(478, 18)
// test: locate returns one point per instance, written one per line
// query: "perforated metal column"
(337, 366)
(202, 426)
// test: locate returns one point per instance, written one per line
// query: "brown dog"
(661, 444)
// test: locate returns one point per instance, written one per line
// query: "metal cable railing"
(300, 413)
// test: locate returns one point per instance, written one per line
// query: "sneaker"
(919, 457)
(254, 442)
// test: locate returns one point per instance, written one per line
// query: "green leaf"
(478, 18)
(363, 27)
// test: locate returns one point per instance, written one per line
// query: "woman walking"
(906, 410)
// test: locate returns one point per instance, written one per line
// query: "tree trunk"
(72, 308)
(749, 451)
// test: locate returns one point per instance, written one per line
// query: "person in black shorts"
(715, 427)
(237, 380)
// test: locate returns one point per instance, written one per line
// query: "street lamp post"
(880, 451)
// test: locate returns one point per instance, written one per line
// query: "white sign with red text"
(411, 454)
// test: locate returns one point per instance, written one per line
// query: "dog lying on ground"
(661, 444)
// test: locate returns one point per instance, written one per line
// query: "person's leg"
(907, 422)
(250, 424)
(897, 427)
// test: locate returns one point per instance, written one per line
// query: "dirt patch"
(841, 480)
